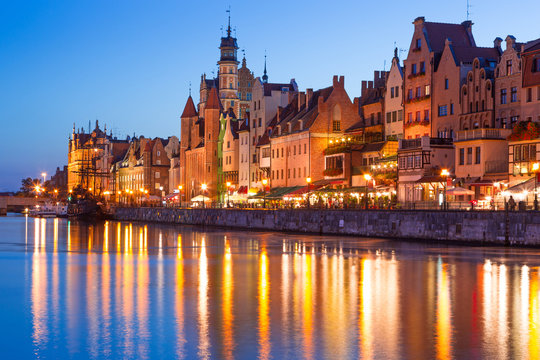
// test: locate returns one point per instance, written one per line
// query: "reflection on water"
(123, 290)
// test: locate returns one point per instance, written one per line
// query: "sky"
(129, 63)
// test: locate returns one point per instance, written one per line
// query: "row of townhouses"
(452, 115)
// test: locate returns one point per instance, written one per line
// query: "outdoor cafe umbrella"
(459, 191)
(200, 198)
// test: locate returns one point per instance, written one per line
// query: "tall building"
(393, 101)
(508, 85)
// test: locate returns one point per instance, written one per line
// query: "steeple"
(229, 26)
(189, 109)
(265, 76)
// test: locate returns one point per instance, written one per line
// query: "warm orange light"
(204, 187)
(536, 166)
(367, 177)
(265, 181)
(180, 187)
(445, 172)
(308, 180)
(228, 184)
(56, 191)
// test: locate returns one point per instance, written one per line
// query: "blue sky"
(129, 63)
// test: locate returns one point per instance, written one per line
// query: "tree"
(28, 185)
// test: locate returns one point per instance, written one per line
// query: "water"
(121, 290)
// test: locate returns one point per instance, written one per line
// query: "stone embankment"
(475, 227)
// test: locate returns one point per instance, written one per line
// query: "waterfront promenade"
(518, 228)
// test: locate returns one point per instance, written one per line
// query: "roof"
(378, 146)
(532, 45)
(189, 109)
(269, 87)
(437, 33)
(264, 140)
(213, 100)
(467, 54)
(244, 125)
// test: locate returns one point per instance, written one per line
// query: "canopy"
(527, 185)
(459, 191)
(200, 198)
(235, 197)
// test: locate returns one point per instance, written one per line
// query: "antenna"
(468, 12)
(190, 88)
(229, 26)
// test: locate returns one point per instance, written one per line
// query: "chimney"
(497, 43)
(468, 28)
(309, 96)
(335, 81)
(301, 99)
(364, 88)
(419, 21)
(342, 81)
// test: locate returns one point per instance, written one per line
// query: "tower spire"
(229, 26)
(265, 75)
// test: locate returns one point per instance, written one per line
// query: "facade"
(427, 45)
(90, 158)
(245, 86)
(371, 125)
(530, 93)
(304, 130)
(393, 101)
(243, 156)
(228, 150)
(59, 180)
(267, 99)
(143, 173)
(507, 85)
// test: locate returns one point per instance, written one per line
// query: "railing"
(496, 167)
(483, 133)
(405, 144)
(425, 142)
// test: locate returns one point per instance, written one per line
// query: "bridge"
(17, 203)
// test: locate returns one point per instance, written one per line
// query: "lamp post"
(368, 178)
(203, 188)
(180, 193)
(161, 193)
(228, 187)
(535, 168)
(264, 182)
(445, 173)
(43, 175)
(308, 180)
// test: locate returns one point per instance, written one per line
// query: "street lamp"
(203, 188)
(228, 187)
(535, 168)
(445, 173)
(44, 175)
(180, 188)
(308, 180)
(264, 182)
(368, 178)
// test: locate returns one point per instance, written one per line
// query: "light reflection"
(204, 336)
(228, 317)
(534, 317)
(264, 306)
(39, 300)
(443, 326)
(179, 303)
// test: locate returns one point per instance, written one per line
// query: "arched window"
(336, 118)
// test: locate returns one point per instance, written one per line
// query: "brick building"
(393, 101)
(507, 83)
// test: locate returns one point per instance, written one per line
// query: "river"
(132, 290)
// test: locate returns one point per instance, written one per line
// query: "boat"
(49, 211)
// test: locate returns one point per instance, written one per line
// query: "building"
(59, 180)
(143, 173)
(245, 86)
(393, 101)
(371, 125)
(530, 92)
(508, 85)
(427, 45)
(228, 150)
(267, 99)
(305, 128)
(243, 156)
(90, 158)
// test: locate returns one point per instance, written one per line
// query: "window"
(388, 117)
(397, 91)
(409, 94)
(508, 67)
(260, 122)
(513, 94)
(477, 155)
(451, 109)
(392, 93)
(281, 152)
(400, 115)
(462, 156)
(418, 116)
(409, 117)
(536, 65)
(289, 173)
(158, 153)
(503, 96)
(422, 67)
(513, 121)
(446, 84)
(336, 125)
(272, 153)
(529, 94)
(157, 175)
(442, 110)
(538, 89)
(418, 44)
(305, 148)
(294, 149)
(336, 118)
(394, 116)
(413, 69)
(228, 144)
(426, 115)
(418, 91)
(469, 156)
(427, 90)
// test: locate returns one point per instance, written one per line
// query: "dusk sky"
(129, 63)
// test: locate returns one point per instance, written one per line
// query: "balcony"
(476, 134)
(425, 142)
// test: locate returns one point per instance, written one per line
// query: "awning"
(479, 182)
(431, 179)
(459, 191)
(242, 189)
(527, 185)
(200, 198)
(278, 193)
(172, 196)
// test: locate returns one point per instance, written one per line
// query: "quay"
(513, 228)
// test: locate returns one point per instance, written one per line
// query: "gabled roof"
(532, 45)
(213, 100)
(189, 109)
(467, 54)
(269, 87)
(437, 33)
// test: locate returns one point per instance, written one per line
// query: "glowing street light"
(264, 182)
(228, 187)
(43, 175)
(368, 178)
(203, 188)
(445, 173)
(308, 180)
